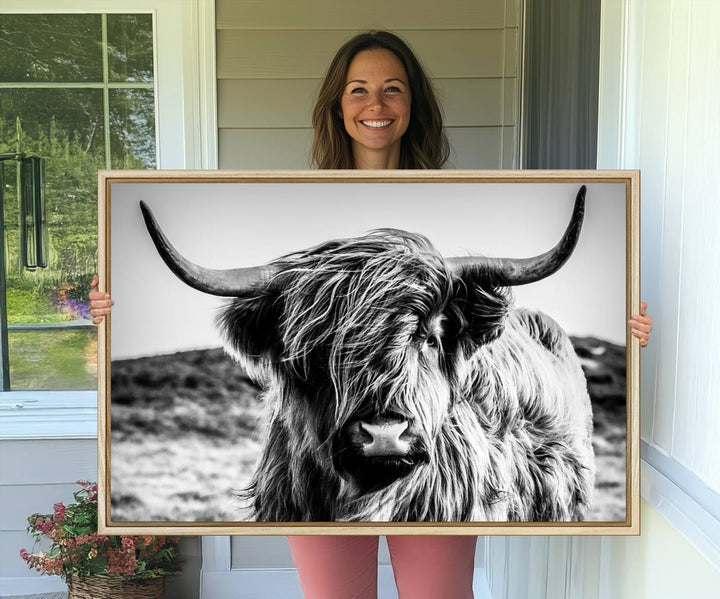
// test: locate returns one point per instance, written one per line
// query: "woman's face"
(375, 103)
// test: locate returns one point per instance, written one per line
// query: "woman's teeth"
(376, 124)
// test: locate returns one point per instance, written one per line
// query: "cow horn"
(520, 271)
(227, 283)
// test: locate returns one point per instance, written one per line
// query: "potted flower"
(95, 565)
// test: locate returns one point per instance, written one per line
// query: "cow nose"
(385, 438)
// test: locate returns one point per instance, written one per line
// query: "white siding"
(671, 132)
(35, 475)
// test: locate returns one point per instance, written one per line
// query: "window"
(78, 91)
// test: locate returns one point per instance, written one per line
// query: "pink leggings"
(425, 567)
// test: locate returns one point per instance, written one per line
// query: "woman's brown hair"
(424, 144)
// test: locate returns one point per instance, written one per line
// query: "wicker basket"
(116, 587)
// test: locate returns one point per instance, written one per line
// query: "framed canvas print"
(369, 352)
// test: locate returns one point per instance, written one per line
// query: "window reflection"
(63, 80)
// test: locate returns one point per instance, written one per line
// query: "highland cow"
(403, 386)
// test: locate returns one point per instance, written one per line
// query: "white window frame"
(186, 129)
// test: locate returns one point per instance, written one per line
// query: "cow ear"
(249, 325)
(484, 306)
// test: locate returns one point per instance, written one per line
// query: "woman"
(377, 110)
(363, 118)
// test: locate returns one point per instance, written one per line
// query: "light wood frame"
(629, 178)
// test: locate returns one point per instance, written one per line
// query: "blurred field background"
(184, 435)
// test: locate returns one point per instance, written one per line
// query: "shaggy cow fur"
(360, 328)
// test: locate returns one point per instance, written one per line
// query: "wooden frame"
(141, 184)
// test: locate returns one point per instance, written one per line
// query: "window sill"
(48, 415)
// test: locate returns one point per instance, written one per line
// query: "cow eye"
(432, 342)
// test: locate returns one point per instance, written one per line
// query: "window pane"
(132, 128)
(50, 48)
(130, 47)
(54, 359)
(65, 127)
(53, 122)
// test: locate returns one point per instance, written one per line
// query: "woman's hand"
(100, 302)
(641, 325)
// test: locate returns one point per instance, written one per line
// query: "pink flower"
(128, 543)
(121, 562)
(59, 509)
(44, 526)
(76, 555)
(53, 565)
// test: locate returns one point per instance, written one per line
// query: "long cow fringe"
(340, 331)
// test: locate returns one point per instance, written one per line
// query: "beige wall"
(272, 56)
(659, 564)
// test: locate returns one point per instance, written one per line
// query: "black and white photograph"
(368, 352)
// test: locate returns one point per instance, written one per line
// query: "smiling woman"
(377, 109)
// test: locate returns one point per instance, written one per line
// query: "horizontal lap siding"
(334, 14)
(306, 54)
(34, 475)
(271, 59)
(246, 148)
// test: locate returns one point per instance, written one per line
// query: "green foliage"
(28, 306)
(54, 359)
(50, 47)
(71, 196)
(78, 550)
(70, 193)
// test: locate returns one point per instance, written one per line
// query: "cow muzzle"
(383, 437)
(376, 452)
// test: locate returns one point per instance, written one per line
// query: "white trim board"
(31, 585)
(686, 513)
(695, 488)
(48, 415)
